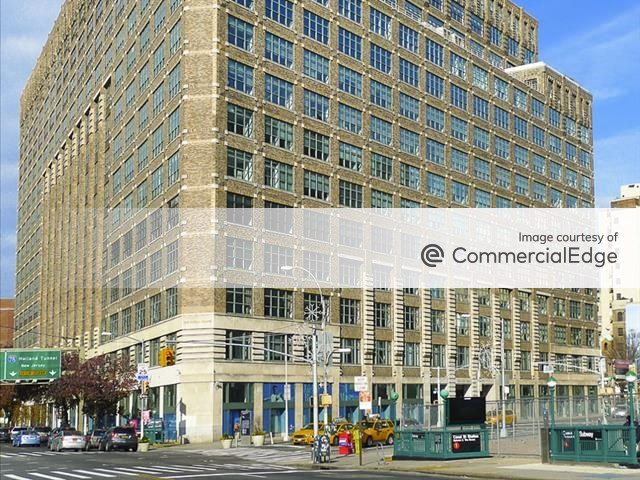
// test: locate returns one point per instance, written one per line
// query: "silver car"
(68, 440)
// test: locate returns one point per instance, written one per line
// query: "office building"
(163, 105)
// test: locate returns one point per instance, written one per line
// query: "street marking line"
(181, 468)
(138, 470)
(15, 477)
(43, 475)
(94, 473)
(118, 472)
(67, 474)
(252, 474)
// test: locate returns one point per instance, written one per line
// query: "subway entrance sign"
(29, 365)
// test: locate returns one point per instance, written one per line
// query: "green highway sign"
(29, 365)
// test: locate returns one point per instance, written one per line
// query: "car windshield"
(68, 433)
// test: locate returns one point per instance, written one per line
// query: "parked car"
(16, 430)
(26, 438)
(67, 440)
(5, 435)
(44, 433)
(119, 438)
(493, 418)
(93, 438)
(304, 436)
(54, 433)
(376, 430)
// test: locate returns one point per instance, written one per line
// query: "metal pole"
(552, 407)
(286, 389)
(143, 400)
(503, 430)
(438, 398)
(314, 347)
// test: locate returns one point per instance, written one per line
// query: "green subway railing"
(593, 443)
(441, 444)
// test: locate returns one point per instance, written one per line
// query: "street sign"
(142, 375)
(360, 384)
(30, 365)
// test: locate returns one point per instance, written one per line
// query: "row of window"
(317, 106)
(281, 50)
(157, 308)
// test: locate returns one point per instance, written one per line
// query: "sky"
(596, 43)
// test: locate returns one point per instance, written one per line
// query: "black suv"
(119, 438)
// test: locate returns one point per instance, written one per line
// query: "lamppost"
(631, 379)
(503, 429)
(551, 383)
(314, 351)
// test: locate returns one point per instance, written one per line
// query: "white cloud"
(602, 58)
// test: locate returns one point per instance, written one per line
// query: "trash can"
(345, 443)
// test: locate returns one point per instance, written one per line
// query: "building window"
(239, 164)
(380, 58)
(381, 166)
(484, 326)
(316, 185)
(459, 97)
(435, 85)
(280, 11)
(502, 147)
(435, 52)
(409, 38)
(350, 81)
(278, 303)
(316, 145)
(350, 194)
(380, 23)
(459, 161)
(409, 107)
(381, 130)
(239, 300)
(435, 118)
(278, 133)
(349, 311)
(462, 357)
(409, 176)
(240, 77)
(172, 257)
(435, 152)
(481, 138)
(382, 352)
(239, 253)
(278, 50)
(352, 357)
(278, 91)
(411, 354)
(436, 185)
(238, 345)
(155, 314)
(240, 33)
(380, 94)
(316, 66)
(278, 175)
(174, 124)
(351, 9)
(459, 129)
(350, 156)
(561, 335)
(409, 72)
(349, 43)
(239, 120)
(482, 199)
(316, 27)
(409, 142)
(458, 65)
(171, 302)
(316, 106)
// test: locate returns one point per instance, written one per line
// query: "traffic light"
(167, 357)
(145, 388)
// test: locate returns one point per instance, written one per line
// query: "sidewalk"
(497, 467)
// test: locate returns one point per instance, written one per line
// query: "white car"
(68, 440)
(16, 430)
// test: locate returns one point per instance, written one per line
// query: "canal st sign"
(29, 365)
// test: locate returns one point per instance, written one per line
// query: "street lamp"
(314, 352)
(551, 383)
(631, 379)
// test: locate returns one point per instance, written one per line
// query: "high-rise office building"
(163, 105)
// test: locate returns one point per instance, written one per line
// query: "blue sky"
(596, 43)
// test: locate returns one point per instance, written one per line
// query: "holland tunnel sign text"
(29, 365)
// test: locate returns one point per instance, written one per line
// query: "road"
(181, 463)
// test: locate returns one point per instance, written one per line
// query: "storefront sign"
(364, 400)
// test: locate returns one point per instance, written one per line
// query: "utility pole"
(503, 429)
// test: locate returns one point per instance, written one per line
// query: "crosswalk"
(41, 453)
(268, 455)
(165, 472)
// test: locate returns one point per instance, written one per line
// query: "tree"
(66, 391)
(109, 380)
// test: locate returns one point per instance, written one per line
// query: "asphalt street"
(173, 463)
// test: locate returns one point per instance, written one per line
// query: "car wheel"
(134, 449)
(390, 440)
(369, 442)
